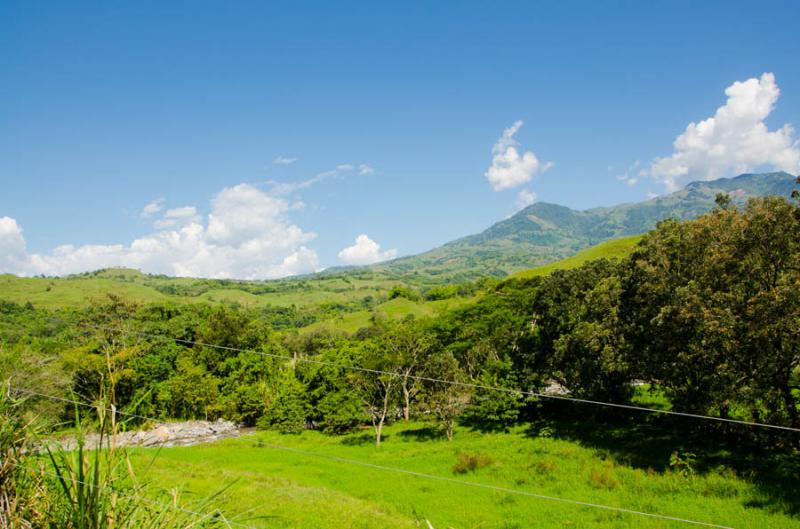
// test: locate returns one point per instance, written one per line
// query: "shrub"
(683, 463)
(603, 478)
(471, 462)
(289, 410)
(546, 466)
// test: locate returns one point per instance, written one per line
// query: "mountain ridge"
(544, 232)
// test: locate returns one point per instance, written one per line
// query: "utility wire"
(469, 385)
(431, 476)
(497, 489)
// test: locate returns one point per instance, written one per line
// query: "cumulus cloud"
(12, 246)
(365, 251)
(284, 160)
(247, 235)
(735, 140)
(152, 208)
(525, 198)
(365, 169)
(510, 168)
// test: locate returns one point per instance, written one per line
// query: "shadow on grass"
(426, 433)
(648, 442)
(362, 439)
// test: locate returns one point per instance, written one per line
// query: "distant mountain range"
(544, 232)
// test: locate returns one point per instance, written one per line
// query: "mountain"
(544, 232)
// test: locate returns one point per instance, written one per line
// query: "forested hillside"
(697, 318)
(704, 310)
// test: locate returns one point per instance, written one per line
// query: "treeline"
(704, 312)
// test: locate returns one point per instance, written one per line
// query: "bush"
(471, 462)
(289, 410)
(603, 478)
(341, 412)
(404, 292)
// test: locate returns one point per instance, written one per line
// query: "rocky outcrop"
(166, 435)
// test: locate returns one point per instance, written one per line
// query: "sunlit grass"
(297, 490)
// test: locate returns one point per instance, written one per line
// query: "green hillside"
(613, 249)
(537, 240)
(273, 487)
(543, 232)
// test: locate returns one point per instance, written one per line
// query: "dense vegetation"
(703, 311)
(701, 316)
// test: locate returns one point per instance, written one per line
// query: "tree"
(377, 388)
(495, 409)
(409, 344)
(711, 308)
(444, 400)
(288, 410)
(336, 406)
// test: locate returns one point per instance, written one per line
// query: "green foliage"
(683, 462)
(704, 312)
(92, 486)
(493, 410)
(712, 309)
(401, 291)
(288, 411)
(340, 412)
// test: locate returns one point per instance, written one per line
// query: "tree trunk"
(378, 432)
(449, 430)
(406, 403)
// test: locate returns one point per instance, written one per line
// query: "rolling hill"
(535, 241)
(544, 232)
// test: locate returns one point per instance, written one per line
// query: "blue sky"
(107, 107)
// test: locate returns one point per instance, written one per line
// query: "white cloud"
(152, 208)
(631, 174)
(341, 170)
(181, 213)
(177, 217)
(735, 140)
(284, 160)
(525, 198)
(365, 251)
(510, 168)
(247, 235)
(12, 246)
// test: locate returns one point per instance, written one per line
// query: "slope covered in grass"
(613, 249)
(279, 488)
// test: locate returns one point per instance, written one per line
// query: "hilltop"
(543, 232)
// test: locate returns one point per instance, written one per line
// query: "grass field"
(275, 487)
(395, 309)
(341, 287)
(308, 293)
(613, 249)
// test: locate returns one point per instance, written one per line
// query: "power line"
(428, 476)
(469, 385)
(498, 489)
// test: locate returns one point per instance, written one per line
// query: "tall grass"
(46, 485)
